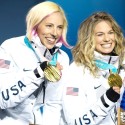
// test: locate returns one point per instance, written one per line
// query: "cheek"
(97, 43)
(59, 31)
(114, 43)
(98, 40)
(59, 34)
(40, 32)
(97, 47)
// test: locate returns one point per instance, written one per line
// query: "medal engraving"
(52, 73)
(115, 80)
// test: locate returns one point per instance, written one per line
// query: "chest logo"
(96, 87)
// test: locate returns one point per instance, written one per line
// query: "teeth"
(51, 39)
(106, 45)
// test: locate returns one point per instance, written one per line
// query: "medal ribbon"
(54, 60)
(105, 66)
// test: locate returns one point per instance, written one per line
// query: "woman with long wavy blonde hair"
(83, 52)
(95, 76)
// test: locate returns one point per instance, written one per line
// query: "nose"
(54, 32)
(106, 38)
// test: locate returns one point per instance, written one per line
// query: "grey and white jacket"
(85, 99)
(18, 97)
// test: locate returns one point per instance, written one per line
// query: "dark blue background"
(13, 13)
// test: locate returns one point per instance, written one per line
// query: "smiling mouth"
(51, 40)
(106, 45)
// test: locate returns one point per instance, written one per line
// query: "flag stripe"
(4, 63)
(72, 91)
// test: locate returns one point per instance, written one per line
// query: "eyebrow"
(103, 32)
(98, 32)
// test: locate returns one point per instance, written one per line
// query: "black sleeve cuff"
(36, 73)
(43, 65)
(112, 95)
(42, 68)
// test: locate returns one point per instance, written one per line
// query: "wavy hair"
(39, 12)
(83, 52)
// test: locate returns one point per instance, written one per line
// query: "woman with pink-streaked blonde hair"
(39, 50)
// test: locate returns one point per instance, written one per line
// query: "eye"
(49, 25)
(99, 34)
(60, 27)
(111, 32)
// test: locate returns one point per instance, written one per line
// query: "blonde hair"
(83, 52)
(39, 12)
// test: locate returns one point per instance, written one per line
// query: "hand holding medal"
(53, 72)
(114, 78)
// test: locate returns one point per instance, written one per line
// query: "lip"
(51, 40)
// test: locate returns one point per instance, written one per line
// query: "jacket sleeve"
(79, 114)
(15, 85)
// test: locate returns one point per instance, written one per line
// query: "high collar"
(37, 42)
(42, 50)
(110, 59)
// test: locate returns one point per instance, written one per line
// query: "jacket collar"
(41, 49)
(110, 59)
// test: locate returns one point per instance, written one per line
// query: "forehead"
(102, 26)
(54, 18)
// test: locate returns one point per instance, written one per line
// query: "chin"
(49, 47)
(107, 53)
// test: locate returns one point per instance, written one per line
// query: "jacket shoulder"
(14, 40)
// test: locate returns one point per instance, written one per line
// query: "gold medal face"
(52, 73)
(115, 80)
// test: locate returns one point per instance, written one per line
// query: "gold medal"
(115, 80)
(52, 73)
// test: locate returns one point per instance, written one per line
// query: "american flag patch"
(4, 63)
(72, 91)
